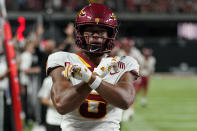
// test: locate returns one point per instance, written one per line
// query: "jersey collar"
(86, 61)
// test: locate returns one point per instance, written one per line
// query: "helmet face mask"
(102, 17)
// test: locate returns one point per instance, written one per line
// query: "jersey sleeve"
(131, 65)
(55, 60)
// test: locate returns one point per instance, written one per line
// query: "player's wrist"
(95, 81)
(98, 71)
(88, 77)
(92, 78)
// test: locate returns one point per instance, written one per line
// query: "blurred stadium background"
(169, 27)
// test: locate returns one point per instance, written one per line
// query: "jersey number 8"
(94, 107)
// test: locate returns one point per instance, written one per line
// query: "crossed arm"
(67, 97)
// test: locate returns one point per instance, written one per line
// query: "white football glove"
(77, 71)
(105, 66)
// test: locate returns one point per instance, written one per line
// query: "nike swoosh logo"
(113, 73)
(93, 50)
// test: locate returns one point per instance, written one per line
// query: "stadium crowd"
(134, 6)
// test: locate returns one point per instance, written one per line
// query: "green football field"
(172, 106)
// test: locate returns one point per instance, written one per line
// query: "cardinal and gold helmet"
(99, 15)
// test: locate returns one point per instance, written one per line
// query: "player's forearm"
(69, 98)
(117, 96)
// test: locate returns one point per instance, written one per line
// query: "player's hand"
(77, 71)
(81, 73)
(106, 66)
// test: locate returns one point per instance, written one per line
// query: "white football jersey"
(94, 114)
(148, 66)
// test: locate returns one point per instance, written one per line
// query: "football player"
(128, 48)
(147, 70)
(89, 88)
